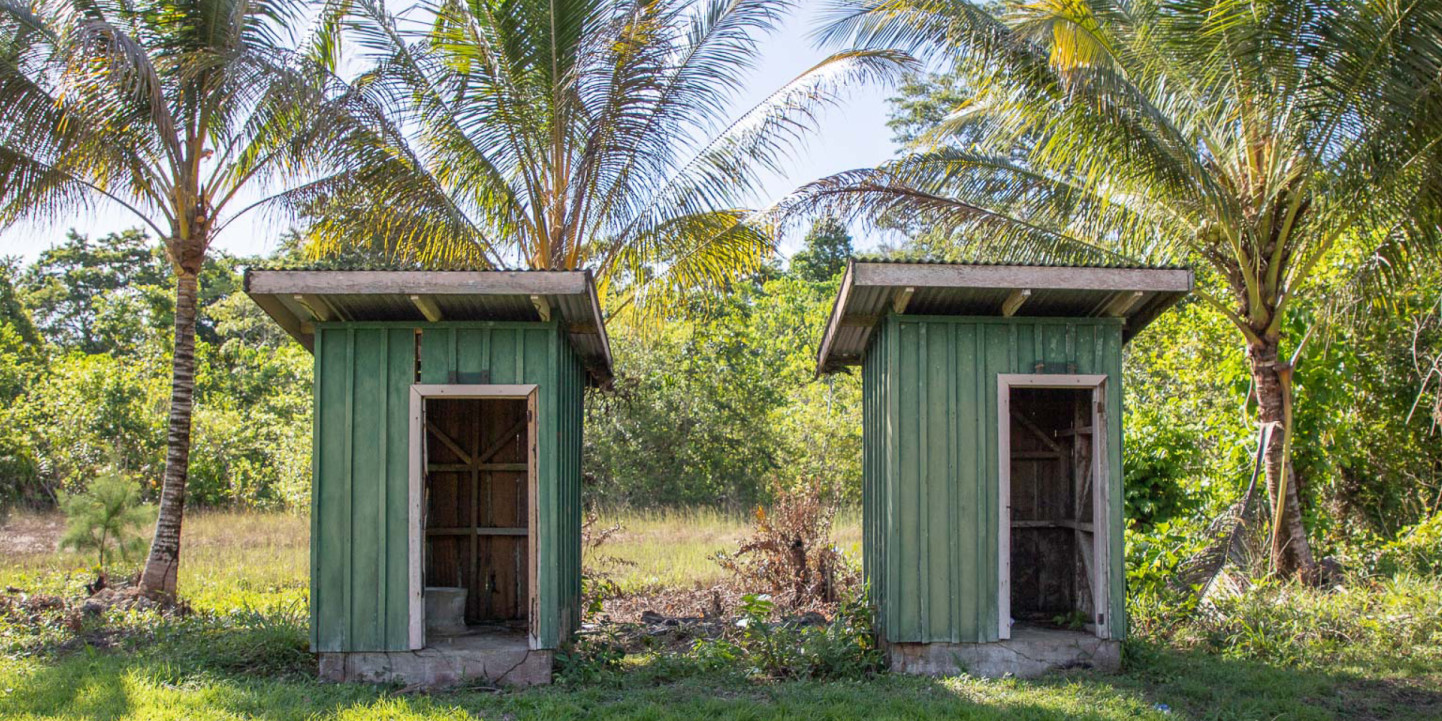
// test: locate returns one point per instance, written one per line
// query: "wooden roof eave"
(1162, 288)
(296, 299)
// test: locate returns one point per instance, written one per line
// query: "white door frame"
(1101, 491)
(419, 393)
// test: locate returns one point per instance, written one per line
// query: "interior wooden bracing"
(1052, 508)
(476, 513)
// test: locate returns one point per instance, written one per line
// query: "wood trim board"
(1101, 482)
(416, 489)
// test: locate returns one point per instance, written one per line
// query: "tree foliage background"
(718, 404)
(90, 385)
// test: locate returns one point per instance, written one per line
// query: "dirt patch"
(707, 602)
(30, 534)
(62, 624)
(675, 618)
(718, 601)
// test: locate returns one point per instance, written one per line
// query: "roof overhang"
(298, 299)
(871, 290)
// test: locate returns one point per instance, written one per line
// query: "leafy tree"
(171, 110)
(104, 516)
(1252, 138)
(826, 249)
(68, 416)
(13, 312)
(921, 103)
(18, 462)
(21, 355)
(582, 133)
(723, 406)
(68, 283)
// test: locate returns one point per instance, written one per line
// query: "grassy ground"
(242, 655)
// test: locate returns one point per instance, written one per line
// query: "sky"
(853, 135)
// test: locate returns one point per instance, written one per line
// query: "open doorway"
(477, 515)
(1053, 525)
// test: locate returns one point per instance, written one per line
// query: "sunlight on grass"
(244, 654)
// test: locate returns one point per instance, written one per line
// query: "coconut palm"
(177, 111)
(565, 134)
(1251, 138)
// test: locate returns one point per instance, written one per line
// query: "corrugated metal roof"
(917, 259)
(297, 297)
(871, 289)
(372, 264)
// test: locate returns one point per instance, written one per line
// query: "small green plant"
(1074, 620)
(103, 517)
(589, 659)
(844, 647)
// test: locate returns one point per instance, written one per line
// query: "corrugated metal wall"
(360, 451)
(930, 462)
(359, 540)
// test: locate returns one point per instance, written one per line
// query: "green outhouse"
(446, 488)
(992, 455)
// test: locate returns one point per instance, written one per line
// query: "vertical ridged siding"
(359, 541)
(876, 441)
(571, 411)
(930, 462)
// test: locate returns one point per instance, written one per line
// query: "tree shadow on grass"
(1200, 685)
(1194, 685)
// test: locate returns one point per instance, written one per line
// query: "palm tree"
(562, 134)
(177, 111)
(1252, 138)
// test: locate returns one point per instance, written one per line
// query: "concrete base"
(1030, 652)
(503, 658)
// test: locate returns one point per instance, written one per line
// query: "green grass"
(242, 655)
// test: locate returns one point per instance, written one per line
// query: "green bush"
(1416, 550)
(1153, 556)
(1159, 459)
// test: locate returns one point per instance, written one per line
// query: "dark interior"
(476, 512)
(1051, 506)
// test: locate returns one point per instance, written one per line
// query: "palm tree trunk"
(161, 567)
(1292, 554)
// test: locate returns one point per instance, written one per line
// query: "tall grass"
(263, 557)
(228, 560)
(673, 548)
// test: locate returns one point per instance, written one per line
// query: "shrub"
(588, 659)
(1160, 459)
(790, 553)
(1416, 550)
(598, 567)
